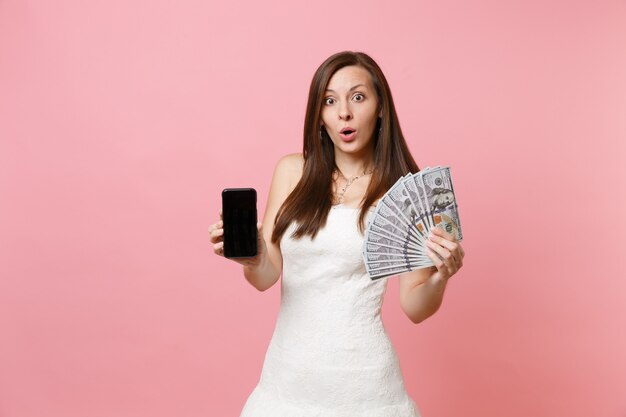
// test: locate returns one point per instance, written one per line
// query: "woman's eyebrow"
(358, 85)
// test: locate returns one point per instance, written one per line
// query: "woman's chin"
(352, 147)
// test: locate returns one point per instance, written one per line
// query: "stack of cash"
(396, 234)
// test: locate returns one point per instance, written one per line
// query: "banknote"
(397, 212)
(395, 257)
(382, 273)
(399, 215)
(422, 200)
(372, 247)
(401, 198)
(441, 200)
(380, 223)
(397, 231)
(388, 212)
(381, 264)
(401, 240)
(373, 237)
(407, 263)
(420, 220)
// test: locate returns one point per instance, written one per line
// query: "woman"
(329, 354)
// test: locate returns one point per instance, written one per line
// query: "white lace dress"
(329, 355)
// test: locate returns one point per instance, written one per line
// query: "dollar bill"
(388, 212)
(372, 247)
(399, 214)
(386, 256)
(381, 223)
(381, 273)
(418, 213)
(402, 198)
(373, 237)
(401, 241)
(441, 200)
(384, 271)
(422, 200)
(406, 263)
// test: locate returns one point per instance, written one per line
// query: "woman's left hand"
(445, 252)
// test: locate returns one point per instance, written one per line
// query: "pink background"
(121, 122)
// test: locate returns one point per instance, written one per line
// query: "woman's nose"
(344, 112)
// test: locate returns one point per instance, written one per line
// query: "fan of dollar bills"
(395, 238)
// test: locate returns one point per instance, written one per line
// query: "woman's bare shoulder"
(292, 161)
(287, 174)
(290, 167)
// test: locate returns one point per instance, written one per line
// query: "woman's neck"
(353, 165)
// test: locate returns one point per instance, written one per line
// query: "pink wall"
(120, 123)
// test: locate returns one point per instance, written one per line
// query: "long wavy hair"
(310, 202)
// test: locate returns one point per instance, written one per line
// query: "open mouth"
(347, 135)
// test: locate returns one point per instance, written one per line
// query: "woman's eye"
(358, 97)
(329, 100)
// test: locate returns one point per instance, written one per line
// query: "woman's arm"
(421, 291)
(265, 272)
(420, 297)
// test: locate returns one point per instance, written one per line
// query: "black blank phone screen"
(240, 218)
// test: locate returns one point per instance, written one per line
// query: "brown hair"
(310, 201)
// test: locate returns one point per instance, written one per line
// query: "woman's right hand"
(216, 234)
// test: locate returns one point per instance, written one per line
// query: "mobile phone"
(239, 215)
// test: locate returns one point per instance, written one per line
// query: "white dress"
(329, 355)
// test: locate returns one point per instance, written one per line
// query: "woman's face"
(350, 110)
